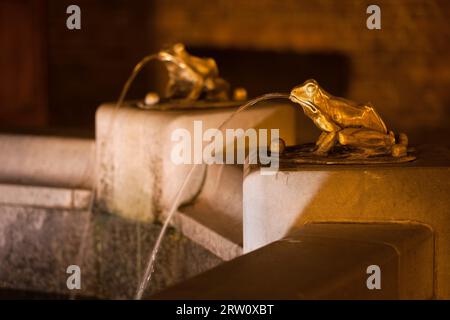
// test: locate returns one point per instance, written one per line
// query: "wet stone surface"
(37, 246)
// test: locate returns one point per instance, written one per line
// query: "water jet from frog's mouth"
(176, 203)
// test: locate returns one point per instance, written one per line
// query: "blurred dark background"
(52, 79)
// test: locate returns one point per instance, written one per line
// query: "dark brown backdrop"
(54, 77)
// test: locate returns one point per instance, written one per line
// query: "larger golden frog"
(346, 123)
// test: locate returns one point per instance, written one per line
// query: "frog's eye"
(311, 88)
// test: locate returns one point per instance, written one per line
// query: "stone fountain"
(358, 197)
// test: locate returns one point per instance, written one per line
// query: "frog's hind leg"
(400, 149)
(370, 142)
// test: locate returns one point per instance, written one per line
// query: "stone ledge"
(44, 197)
(206, 237)
(47, 161)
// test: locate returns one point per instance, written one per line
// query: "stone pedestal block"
(275, 206)
(136, 177)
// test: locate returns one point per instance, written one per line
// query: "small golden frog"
(347, 123)
(191, 77)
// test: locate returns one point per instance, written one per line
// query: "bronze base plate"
(166, 104)
(303, 154)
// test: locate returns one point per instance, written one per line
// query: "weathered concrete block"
(325, 261)
(135, 175)
(275, 206)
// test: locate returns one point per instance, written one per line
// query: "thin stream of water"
(175, 204)
(123, 93)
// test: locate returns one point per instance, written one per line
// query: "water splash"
(175, 204)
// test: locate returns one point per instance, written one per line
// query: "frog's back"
(375, 121)
(349, 114)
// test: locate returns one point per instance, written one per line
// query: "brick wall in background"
(404, 68)
(89, 66)
(23, 78)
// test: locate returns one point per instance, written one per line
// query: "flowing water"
(175, 204)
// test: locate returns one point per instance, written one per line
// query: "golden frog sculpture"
(194, 82)
(357, 129)
(192, 78)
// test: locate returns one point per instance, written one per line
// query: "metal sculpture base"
(304, 154)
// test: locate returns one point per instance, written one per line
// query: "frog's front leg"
(326, 141)
(329, 135)
(196, 90)
(195, 84)
(321, 137)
